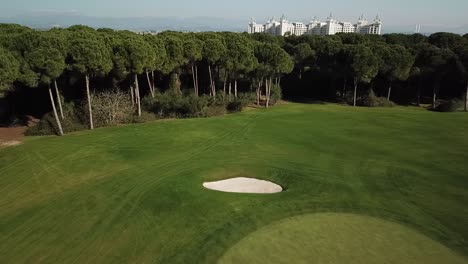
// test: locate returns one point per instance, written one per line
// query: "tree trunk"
(55, 112)
(214, 88)
(344, 88)
(132, 95)
(152, 82)
(137, 90)
(136, 95)
(149, 84)
(90, 109)
(235, 88)
(211, 80)
(434, 97)
(389, 91)
(466, 97)
(224, 88)
(258, 95)
(213, 83)
(259, 87)
(59, 100)
(194, 80)
(268, 92)
(419, 92)
(355, 91)
(230, 84)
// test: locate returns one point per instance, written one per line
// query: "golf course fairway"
(134, 194)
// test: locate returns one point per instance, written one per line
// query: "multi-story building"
(315, 27)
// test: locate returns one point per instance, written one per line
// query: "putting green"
(338, 238)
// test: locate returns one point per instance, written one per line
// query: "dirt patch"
(14, 135)
(11, 136)
(244, 185)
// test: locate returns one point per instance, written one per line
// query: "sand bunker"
(244, 185)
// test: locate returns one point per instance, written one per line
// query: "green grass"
(338, 238)
(134, 193)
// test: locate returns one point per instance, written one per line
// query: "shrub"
(215, 110)
(74, 120)
(238, 104)
(175, 84)
(449, 106)
(276, 94)
(194, 106)
(47, 126)
(168, 105)
(222, 99)
(144, 118)
(111, 108)
(371, 100)
(247, 99)
(235, 106)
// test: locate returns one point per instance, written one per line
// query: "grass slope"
(134, 193)
(338, 238)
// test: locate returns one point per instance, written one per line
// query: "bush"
(168, 105)
(276, 94)
(47, 126)
(371, 100)
(74, 120)
(215, 110)
(238, 104)
(222, 99)
(247, 99)
(144, 118)
(450, 106)
(175, 84)
(111, 108)
(235, 106)
(195, 106)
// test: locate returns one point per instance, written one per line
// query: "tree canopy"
(408, 67)
(9, 69)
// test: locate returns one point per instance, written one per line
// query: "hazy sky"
(394, 12)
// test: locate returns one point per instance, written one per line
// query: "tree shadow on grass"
(304, 100)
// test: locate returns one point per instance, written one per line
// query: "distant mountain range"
(46, 20)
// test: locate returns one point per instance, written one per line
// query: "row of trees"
(39, 58)
(414, 62)
(225, 62)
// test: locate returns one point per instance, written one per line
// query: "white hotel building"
(315, 27)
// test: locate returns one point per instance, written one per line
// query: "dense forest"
(79, 77)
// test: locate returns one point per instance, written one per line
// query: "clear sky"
(452, 13)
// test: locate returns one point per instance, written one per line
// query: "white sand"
(244, 185)
(9, 143)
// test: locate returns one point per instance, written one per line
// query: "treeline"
(108, 60)
(353, 68)
(80, 72)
